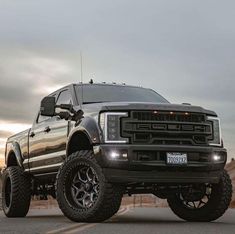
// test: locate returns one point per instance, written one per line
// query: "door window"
(64, 97)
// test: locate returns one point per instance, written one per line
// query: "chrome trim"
(43, 167)
(45, 174)
(46, 156)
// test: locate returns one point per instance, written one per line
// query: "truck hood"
(124, 106)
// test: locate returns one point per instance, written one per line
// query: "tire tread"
(21, 192)
(109, 204)
(215, 210)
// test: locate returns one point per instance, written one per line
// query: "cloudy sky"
(184, 49)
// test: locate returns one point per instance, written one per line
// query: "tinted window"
(111, 93)
(64, 98)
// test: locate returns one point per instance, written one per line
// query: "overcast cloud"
(184, 49)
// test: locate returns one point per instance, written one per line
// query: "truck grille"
(170, 116)
(173, 128)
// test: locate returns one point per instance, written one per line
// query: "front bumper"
(154, 169)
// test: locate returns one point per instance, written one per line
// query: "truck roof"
(100, 84)
(108, 84)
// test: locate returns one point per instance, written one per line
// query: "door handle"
(32, 134)
(47, 129)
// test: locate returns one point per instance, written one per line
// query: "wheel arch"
(84, 136)
(14, 156)
(79, 140)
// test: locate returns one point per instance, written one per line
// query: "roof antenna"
(81, 78)
(91, 81)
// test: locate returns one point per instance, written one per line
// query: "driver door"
(56, 135)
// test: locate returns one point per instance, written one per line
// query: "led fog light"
(114, 155)
(118, 155)
(216, 157)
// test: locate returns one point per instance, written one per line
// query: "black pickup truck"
(92, 143)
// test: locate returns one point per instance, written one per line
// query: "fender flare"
(15, 148)
(90, 128)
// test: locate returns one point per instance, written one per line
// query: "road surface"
(128, 220)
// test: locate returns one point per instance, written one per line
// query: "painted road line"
(64, 229)
(79, 229)
(122, 211)
(82, 226)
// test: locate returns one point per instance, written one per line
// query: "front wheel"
(82, 192)
(203, 202)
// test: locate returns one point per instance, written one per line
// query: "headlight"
(216, 141)
(110, 125)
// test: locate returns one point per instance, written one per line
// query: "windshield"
(110, 93)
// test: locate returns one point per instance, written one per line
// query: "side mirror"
(47, 107)
(68, 107)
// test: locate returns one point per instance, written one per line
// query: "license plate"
(176, 158)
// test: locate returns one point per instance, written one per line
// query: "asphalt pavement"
(128, 220)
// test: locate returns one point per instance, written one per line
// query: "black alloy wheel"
(82, 191)
(84, 187)
(203, 202)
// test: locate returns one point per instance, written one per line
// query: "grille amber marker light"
(186, 113)
(171, 112)
(155, 112)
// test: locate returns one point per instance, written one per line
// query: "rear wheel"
(203, 202)
(82, 192)
(16, 194)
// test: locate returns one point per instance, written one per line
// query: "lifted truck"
(92, 143)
